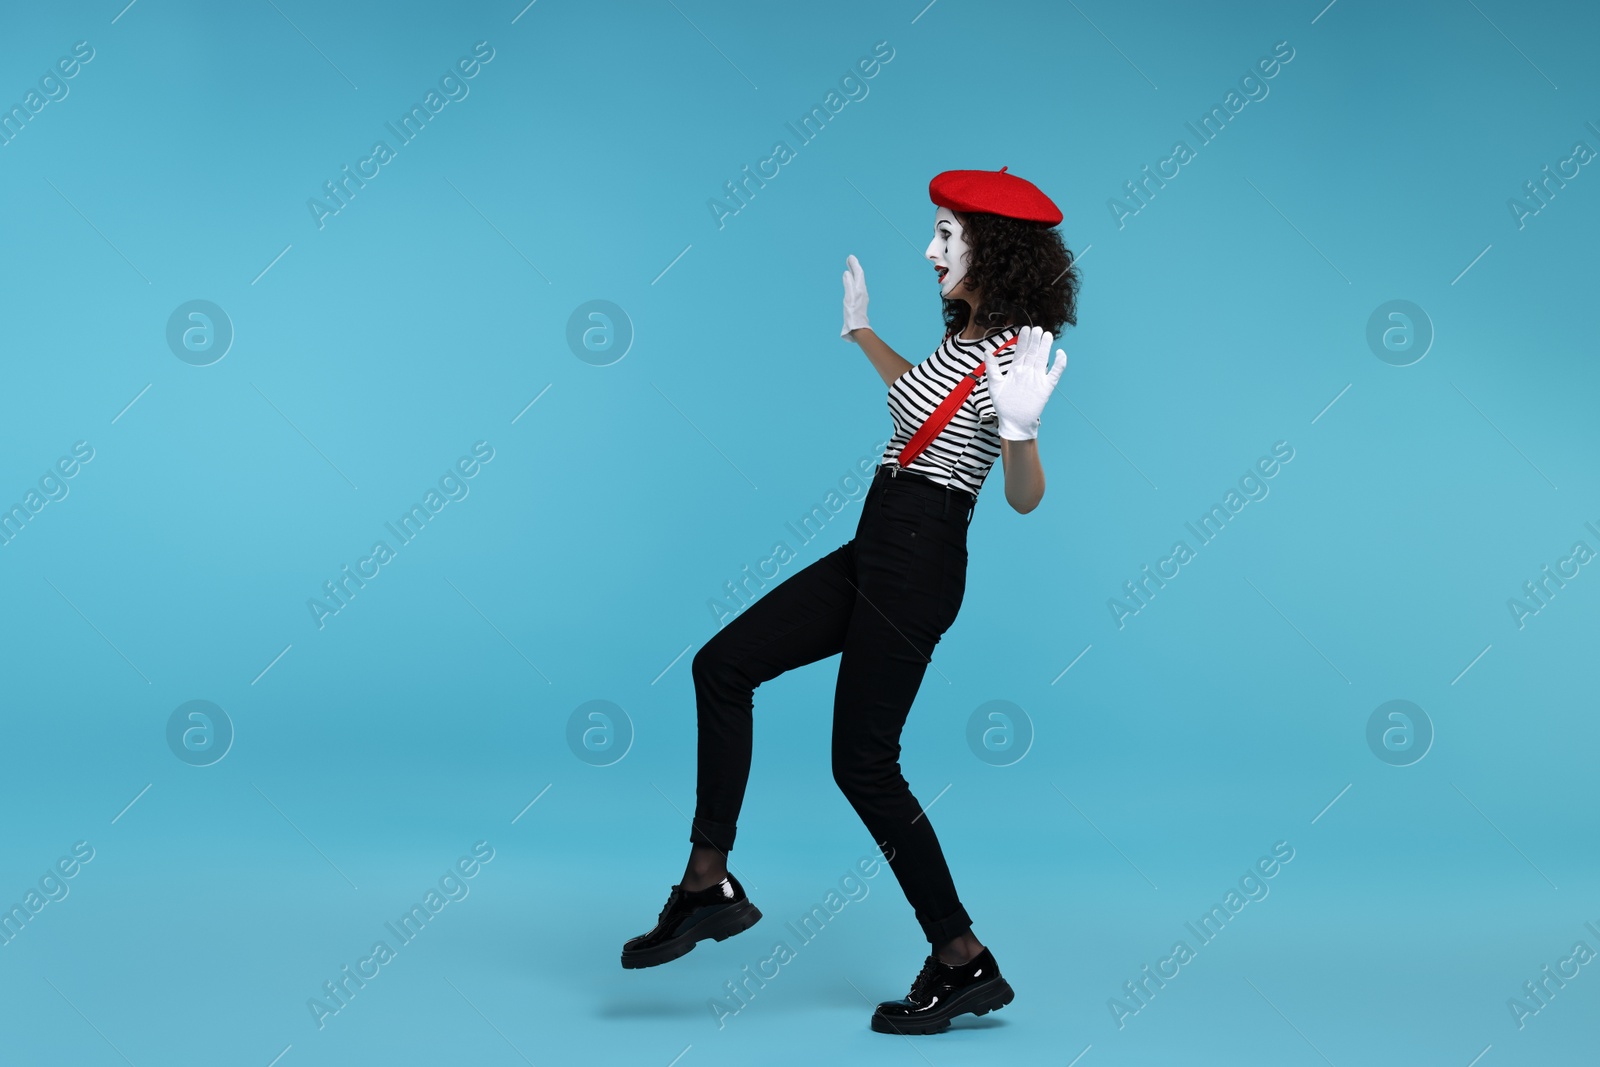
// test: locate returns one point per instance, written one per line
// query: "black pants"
(882, 601)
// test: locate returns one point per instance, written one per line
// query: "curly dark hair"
(1024, 270)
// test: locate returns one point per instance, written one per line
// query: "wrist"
(1017, 432)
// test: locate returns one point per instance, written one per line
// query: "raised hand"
(1019, 394)
(855, 297)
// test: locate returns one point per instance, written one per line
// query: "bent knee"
(857, 778)
(708, 660)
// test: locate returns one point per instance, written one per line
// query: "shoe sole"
(981, 999)
(733, 919)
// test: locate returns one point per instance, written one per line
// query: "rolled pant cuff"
(948, 928)
(715, 835)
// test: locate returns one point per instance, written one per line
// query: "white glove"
(855, 297)
(1019, 395)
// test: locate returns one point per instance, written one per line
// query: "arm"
(1018, 396)
(885, 360)
(1024, 475)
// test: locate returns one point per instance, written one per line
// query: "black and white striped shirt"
(968, 446)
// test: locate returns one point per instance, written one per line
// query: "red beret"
(994, 192)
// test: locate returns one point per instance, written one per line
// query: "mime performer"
(882, 600)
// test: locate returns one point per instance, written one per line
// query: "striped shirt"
(970, 443)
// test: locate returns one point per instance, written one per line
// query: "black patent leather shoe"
(941, 992)
(718, 911)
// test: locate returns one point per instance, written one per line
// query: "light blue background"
(428, 714)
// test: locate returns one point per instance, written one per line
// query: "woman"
(884, 599)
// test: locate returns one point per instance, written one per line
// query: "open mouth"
(941, 272)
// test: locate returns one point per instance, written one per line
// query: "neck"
(974, 332)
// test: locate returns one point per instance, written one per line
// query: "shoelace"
(919, 987)
(672, 898)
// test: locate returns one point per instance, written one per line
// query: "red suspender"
(945, 411)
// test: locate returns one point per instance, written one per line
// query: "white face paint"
(948, 250)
